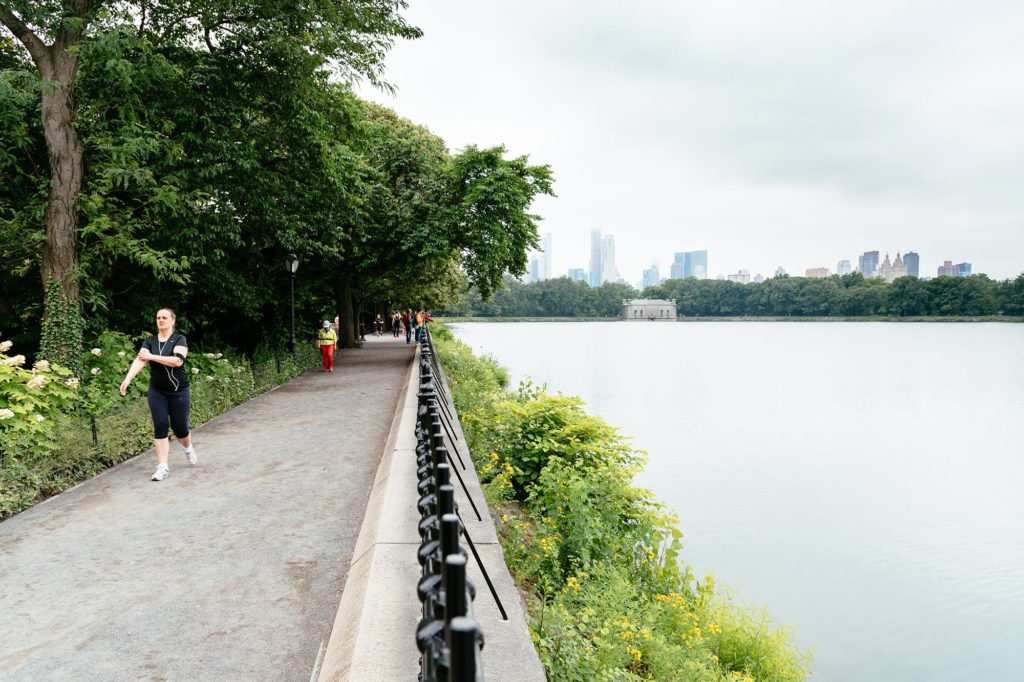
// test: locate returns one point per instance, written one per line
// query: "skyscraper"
(913, 263)
(577, 275)
(608, 271)
(535, 269)
(844, 267)
(678, 268)
(963, 269)
(892, 271)
(651, 277)
(546, 273)
(595, 258)
(696, 264)
(868, 263)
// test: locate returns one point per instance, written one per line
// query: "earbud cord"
(160, 351)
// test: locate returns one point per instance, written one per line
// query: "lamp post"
(291, 264)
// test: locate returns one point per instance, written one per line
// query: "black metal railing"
(448, 637)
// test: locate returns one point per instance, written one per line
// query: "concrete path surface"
(230, 570)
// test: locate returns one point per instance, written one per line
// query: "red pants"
(327, 354)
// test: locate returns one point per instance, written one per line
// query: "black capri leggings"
(172, 406)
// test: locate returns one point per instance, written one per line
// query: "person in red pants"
(328, 339)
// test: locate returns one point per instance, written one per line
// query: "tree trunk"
(65, 150)
(347, 323)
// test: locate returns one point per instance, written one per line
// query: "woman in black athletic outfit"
(168, 388)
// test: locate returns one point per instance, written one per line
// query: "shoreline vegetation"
(596, 558)
(848, 297)
(748, 318)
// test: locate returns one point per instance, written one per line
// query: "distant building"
(947, 269)
(816, 273)
(758, 278)
(913, 263)
(844, 267)
(651, 277)
(535, 269)
(690, 264)
(546, 269)
(868, 263)
(595, 258)
(697, 264)
(891, 271)
(655, 309)
(678, 268)
(608, 271)
(780, 271)
(743, 277)
(577, 274)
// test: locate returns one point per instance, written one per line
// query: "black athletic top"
(162, 377)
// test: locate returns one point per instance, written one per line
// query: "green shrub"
(530, 428)
(34, 403)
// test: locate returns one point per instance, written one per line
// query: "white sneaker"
(193, 457)
(161, 472)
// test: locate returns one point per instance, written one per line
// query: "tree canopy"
(216, 137)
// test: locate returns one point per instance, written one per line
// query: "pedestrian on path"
(328, 340)
(378, 325)
(407, 323)
(396, 323)
(168, 396)
(421, 323)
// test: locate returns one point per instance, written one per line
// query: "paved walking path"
(230, 570)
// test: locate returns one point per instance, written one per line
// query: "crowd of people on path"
(413, 323)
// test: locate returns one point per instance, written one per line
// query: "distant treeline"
(849, 295)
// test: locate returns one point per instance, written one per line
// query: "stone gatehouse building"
(649, 309)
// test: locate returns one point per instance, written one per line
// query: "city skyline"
(870, 260)
(765, 141)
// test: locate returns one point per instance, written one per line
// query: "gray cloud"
(772, 133)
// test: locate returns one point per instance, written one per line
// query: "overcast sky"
(793, 133)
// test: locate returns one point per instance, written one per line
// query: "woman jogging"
(328, 339)
(168, 395)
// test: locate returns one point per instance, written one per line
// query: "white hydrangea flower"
(6, 346)
(42, 365)
(220, 355)
(120, 353)
(209, 355)
(94, 371)
(6, 414)
(40, 418)
(37, 381)
(17, 361)
(97, 351)
(72, 382)
(195, 370)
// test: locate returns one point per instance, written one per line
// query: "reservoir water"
(862, 481)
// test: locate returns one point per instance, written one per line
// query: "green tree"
(350, 37)
(906, 296)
